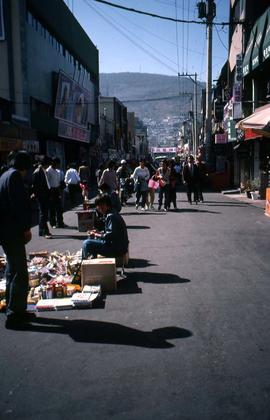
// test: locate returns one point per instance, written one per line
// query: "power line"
(222, 43)
(129, 9)
(150, 54)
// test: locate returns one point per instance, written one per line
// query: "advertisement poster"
(74, 104)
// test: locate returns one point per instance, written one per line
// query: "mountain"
(152, 96)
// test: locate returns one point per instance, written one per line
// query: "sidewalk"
(244, 199)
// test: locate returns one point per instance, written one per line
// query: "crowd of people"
(116, 186)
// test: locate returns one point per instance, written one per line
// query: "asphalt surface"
(185, 337)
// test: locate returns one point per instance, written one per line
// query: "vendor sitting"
(113, 242)
(115, 200)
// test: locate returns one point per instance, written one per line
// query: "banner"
(69, 131)
(164, 149)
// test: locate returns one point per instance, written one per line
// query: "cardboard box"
(86, 220)
(100, 272)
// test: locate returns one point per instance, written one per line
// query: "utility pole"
(207, 10)
(193, 78)
(210, 15)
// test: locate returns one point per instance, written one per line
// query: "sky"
(130, 42)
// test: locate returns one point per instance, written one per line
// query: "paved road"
(186, 337)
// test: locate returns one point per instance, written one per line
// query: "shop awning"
(249, 50)
(266, 41)
(256, 58)
(258, 122)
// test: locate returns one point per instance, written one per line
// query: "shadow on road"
(139, 263)
(138, 227)
(85, 331)
(81, 238)
(195, 210)
(145, 213)
(158, 278)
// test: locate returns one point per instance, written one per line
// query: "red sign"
(69, 131)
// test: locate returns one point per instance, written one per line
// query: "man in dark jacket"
(15, 223)
(113, 242)
(190, 178)
(41, 191)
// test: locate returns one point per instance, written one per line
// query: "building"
(243, 87)
(114, 131)
(141, 140)
(49, 81)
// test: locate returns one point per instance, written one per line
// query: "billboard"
(164, 149)
(75, 107)
(2, 27)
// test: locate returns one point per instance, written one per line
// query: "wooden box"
(100, 272)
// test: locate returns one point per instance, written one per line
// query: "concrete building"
(141, 140)
(114, 131)
(49, 81)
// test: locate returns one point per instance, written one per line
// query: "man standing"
(109, 177)
(54, 179)
(72, 181)
(41, 191)
(190, 178)
(15, 223)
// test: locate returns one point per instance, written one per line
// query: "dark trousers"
(172, 196)
(17, 277)
(43, 215)
(200, 191)
(192, 188)
(140, 194)
(93, 247)
(163, 191)
(56, 210)
(73, 191)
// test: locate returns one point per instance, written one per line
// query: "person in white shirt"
(56, 209)
(72, 181)
(141, 176)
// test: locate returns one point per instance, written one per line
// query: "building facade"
(49, 81)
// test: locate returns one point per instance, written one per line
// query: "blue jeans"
(94, 247)
(17, 277)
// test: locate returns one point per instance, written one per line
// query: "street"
(186, 336)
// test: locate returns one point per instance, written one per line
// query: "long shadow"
(196, 210)
(224, 205)
(139, 263)
(156, 278)
(139, 213)
(85, 331)
(138, 227)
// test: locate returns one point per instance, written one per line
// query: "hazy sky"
(131, 42)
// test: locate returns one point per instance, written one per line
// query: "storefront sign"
(8, 144)
(232, 135)
(2, 27)
(69, 131)
(31, 146)
(164, 149)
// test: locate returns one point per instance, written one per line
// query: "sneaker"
(54, 227)
(165, 209)
(48, 236)
(137, 206)
(142, 208)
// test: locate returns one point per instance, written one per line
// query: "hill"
(151, 96)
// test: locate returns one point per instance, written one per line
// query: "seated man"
(115, 200)
(113, 242)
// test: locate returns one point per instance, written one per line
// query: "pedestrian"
(172, 185)
(56, 209)
(15, 224)
(99, 172)
(84, 175)
(123, 175)
(113, 242)
(41, 191)
(190, 178)
(153, 185)
(141, 177)
(109, 177)
(164, 180)
(201, 177)
(72, 181)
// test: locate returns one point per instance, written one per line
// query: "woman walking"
(141, 177)
(164, 180)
